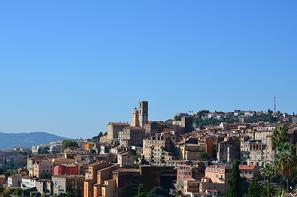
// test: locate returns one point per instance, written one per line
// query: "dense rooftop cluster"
(199, 154)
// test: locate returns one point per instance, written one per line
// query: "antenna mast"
(274, 104)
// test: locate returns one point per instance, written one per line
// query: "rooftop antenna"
(274, 104)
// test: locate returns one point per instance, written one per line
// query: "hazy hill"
(11, 140)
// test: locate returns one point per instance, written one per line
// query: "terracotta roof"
(189, 179)
(247, 167)
(217, 166)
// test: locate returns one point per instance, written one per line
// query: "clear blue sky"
(69, 67)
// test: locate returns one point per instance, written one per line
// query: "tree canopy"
(158, 192)
(256, 189)
(69, 144)
(280, 136)
(286, 161)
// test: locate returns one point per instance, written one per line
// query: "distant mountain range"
(13, 140)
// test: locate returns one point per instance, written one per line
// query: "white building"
(55, 147)
(28, 182)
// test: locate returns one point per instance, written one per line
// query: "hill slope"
(12, 140)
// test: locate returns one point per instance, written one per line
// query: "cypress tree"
(235, 182)
(255, 188)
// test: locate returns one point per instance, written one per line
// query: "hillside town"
(195, 154)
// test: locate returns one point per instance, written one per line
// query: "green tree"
(98, 136)
(5, 162)
(177, 118)
(203, 155)
(17, 192)
(280, 136)
(200, 121)
(286, 161)
(44, 150)
(235, 181)
(69, 144)
(158, 192)
(68, 194)
(268, 172)
(141, 191)
(255, 188)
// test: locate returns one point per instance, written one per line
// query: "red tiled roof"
(247, 167)
(217, 166)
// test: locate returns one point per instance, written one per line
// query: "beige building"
(125, 159)
(44, 186)
(153, 127)
(218, 173)
(113, 129)
(264, 128)
(259, 152)
(30, 164)
(191, 151)
(91, 177)
(248, 171)
(186, 122)
(188, 170)
(157, 149)
(93, 169)
(262, 135)
(43, 168)
(105, 186)
(190, 187)
(216, 178)
(131, 136)
(102, 186)
(73, 184)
